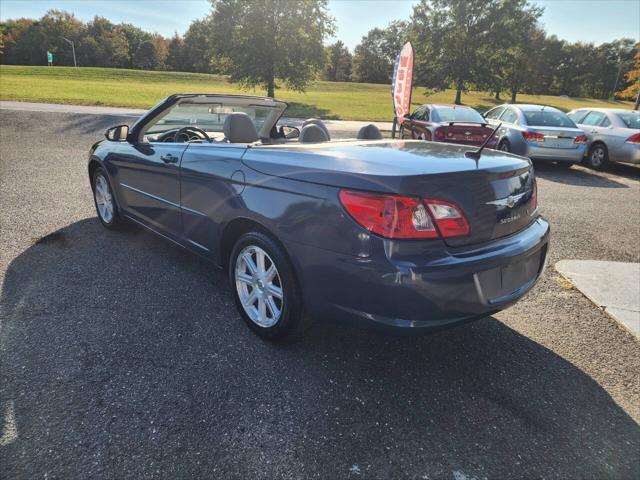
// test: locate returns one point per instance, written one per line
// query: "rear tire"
(105, 201)
(504, 146)
(265, 289)
(598, 157)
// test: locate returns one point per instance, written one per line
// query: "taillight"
(533, 136)
(635, 138)
(439, 133)
(448, 217)
(581, 139)
(393, 216)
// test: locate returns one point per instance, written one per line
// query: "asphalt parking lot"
(123, 357)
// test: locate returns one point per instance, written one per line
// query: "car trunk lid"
(557, 137)
(494, 193)
(495, 204)
(465, 133)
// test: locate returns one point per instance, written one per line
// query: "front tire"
(598, 158)
(104, 201)
(265, 289)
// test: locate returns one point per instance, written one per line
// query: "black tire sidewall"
(604, 159)
(504, 143)
(291, 319)
(115, 220)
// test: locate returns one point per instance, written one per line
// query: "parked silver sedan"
(614, 135)
(538, 132)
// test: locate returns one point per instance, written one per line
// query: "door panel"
(211, 180)
(149, 184)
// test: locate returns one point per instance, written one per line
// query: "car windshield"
(209, 115)
(548, 118)
(630, 119)
(450, 114)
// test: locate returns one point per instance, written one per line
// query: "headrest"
(320, 123)
(312, 133)
(369, 132)
(239, 128)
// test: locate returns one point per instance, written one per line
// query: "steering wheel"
(184, 131)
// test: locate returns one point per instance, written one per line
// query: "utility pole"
(73, 49)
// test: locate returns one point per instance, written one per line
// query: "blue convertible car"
(407, 235)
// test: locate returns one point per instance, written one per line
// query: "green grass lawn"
(142, 89)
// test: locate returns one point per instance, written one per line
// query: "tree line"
(496, 46)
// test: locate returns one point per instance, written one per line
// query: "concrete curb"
(612, 286)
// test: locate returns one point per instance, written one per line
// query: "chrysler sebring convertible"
(403, 235)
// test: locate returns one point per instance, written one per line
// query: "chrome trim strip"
(153, 230)
(197, 245)
(190, 210)
(142, 192)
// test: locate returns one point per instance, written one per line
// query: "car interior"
(240, 120)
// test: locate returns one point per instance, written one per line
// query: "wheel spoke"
(274, 291)
(262, 309)
(275, 311)
(250, 263)
(260, 260)
(244, 278)
(251, 299)
(271, 272)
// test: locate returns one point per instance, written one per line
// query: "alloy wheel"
(104, 200)
(259, 286)
(597, 157)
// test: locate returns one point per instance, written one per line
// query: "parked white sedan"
(614, 135)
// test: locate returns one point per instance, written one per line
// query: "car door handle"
(168, 158)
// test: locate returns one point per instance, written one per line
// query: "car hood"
(382, 165)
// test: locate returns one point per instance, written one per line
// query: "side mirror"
(119, 133)
(289, 132)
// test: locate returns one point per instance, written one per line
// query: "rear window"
(631, 119)
(450, 114)
(577, 116)
(548, 118)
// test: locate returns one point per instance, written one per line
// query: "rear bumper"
(439, 290)
(573, 155)
(625, 153)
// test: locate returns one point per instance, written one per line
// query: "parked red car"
(447, 123)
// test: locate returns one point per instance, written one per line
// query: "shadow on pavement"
(575, 176)
(123, 356)
(86, 123)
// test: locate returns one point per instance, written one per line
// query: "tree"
(261, 41)
(632, 80)
(135, 38)
(369, 63)
(198, 50)
(175, 53)
(374, 57)
(507, 54)
(448, 36)
(339, 60)
(146, 58)
(55, 25)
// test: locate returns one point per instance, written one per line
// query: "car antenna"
(475, 154)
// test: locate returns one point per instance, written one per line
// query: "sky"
(595, 21)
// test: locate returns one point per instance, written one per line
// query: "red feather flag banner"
(402, 83)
